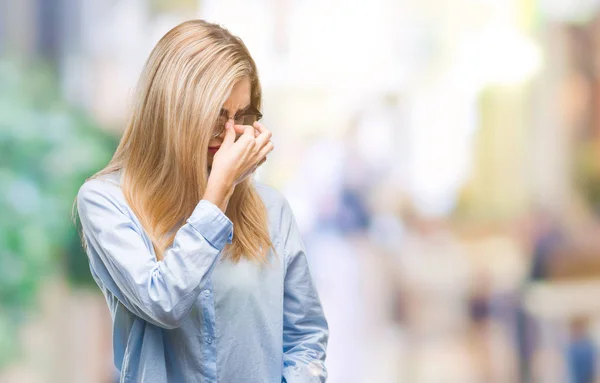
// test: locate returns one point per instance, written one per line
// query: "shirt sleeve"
(160, 292)
(305, 329)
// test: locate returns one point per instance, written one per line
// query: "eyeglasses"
(249, 117)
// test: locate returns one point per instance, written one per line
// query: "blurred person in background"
(581, 352)
(189, 300)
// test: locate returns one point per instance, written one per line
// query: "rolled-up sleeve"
(305, 331)
(161, 292)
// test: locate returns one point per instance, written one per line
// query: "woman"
(190, 300)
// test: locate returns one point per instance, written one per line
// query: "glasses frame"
(252, 111)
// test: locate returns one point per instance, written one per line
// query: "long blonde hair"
(163, 151)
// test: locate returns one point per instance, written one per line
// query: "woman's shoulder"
(102, 188)
(272, 198)
(277, 204)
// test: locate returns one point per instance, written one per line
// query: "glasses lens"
(219, 126)
(248, 119)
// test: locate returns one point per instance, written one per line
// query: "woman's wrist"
(218, 192)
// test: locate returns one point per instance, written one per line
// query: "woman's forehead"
(240, 97)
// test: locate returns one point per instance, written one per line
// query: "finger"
(249, 131)
(229, 138)
(266, 149)
(242, 129)
(261, 128)
(264, 136)
(239, 129)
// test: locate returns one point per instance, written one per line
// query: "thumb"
(229, 138)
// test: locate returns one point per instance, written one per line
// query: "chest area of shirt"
(246, 279)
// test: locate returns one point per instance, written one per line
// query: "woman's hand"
(237, 159)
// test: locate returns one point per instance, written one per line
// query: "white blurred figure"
(435, 271)
(330, 193)
(313, 193)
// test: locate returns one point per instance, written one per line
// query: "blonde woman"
(203, 269)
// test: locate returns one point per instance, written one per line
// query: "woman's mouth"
(213, 149)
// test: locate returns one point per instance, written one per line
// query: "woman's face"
(236, 104)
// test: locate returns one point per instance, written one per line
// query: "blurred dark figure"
(581, 353)
(547, 237)
(560, 254)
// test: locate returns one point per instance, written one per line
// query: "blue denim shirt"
(196, 316)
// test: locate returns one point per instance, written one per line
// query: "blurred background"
(442, 159)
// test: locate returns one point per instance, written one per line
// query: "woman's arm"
(305, 329)
(161, 292)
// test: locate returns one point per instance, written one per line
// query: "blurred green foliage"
(47, 150)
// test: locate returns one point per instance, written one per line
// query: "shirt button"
(209, 339)
(205, 293)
